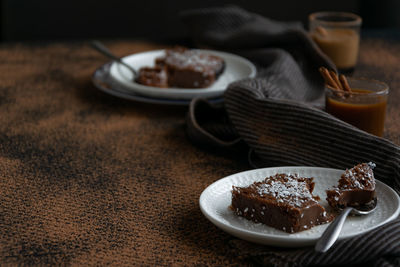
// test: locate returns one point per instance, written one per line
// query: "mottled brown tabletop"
(91, 179)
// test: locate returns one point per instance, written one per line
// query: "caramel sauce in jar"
(364, 109)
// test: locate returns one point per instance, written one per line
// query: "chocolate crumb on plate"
(356, 187)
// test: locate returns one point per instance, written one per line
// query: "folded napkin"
(277, 118)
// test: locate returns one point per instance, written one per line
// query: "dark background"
(29, 20)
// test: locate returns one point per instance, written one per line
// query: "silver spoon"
(331, 233)
(104, 50)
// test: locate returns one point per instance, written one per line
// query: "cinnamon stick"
(336, 79)
(344, 82)
(327, 77)
(336, 82)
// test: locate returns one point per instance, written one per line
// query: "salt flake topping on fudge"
(193, 59)
(288, 189)
(361, 176)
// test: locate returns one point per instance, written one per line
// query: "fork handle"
(331, 233)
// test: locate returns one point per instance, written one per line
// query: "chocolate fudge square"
(182, 68)
(282, 201)
(191, 68)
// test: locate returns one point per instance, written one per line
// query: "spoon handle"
(332, 232)
(104, 50)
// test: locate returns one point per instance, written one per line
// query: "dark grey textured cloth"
(277, 117)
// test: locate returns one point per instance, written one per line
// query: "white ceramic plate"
(102, 81)
(216, 198)
(236, 68)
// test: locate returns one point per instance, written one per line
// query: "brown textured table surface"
(87, 178)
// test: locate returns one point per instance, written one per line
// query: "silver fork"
(331, 233)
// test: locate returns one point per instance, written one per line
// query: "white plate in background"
(102, 81)
(236, 68)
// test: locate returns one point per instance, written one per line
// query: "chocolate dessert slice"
(191, 68)
(356, 187)
(282, 201)
(182, 68)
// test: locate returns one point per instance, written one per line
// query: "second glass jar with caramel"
(338, 36)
